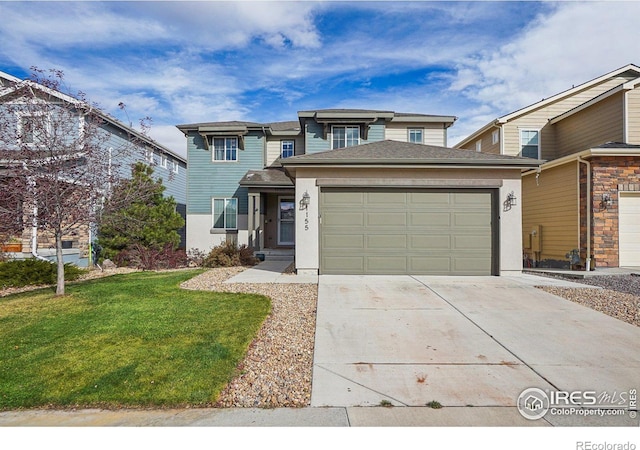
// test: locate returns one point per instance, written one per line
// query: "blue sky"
(183, 62)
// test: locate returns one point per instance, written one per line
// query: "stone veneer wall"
(609, 175)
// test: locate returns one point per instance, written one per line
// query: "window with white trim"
(176, 166)
(225, 213)
(148, 155)
(225, 149)
(530, 143)
(415, 135)
(495, 137)
(32, 128)
(164, 161)
(287, 149)
(345, 136)
(479, 145)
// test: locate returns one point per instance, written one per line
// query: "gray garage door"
(406, 232)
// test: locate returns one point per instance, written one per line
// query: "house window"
(175, 167)
(32, 129)
(530, 143)
(495, 137)
(148, 156)
(225, 213)
(415, 135)
(288, 149)
(479, 145)
(163, 161)
(345, 136)
(225, 149)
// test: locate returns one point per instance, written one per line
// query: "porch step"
(276, 254)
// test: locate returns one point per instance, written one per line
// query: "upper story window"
(175, 166)
(415, 135)
(479, 145)
(225, 213)
(345, 136)
(287, 149)
(225, 149)
(495, 137)
(163, 161)
(148, 155)
(32, 129)
(530, 143)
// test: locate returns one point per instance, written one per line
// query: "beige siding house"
(579, 208)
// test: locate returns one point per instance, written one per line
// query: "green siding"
(207, 179)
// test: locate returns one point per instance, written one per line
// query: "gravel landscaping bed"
(277, 369)
(618, 298)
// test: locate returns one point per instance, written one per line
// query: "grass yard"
(134, 340)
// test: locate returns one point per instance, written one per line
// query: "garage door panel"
(471, 199)
(343, 242)
(474, 242)
(386, 198)
(344, 198)
(429, 219)
(471, 220)
(384, 219)
(344, 264)
(343, 218)
(386, 264)
(430, 241)
(435, 265)
(430, 198)
(410, 231)
(384, 241)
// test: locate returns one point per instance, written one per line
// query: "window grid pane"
(338, 137)
(415, 136)
(287, 149)
(231, 213)
(218, 213)
(353, 136)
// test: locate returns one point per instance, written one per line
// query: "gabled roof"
(631, 69)
(18, 84)
(395, 153)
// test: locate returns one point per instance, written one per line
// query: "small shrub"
(386, 403)
(228, 254)
(152, 258)
(19, 273)
(434, 404)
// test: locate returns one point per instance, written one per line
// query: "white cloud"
(568, 46)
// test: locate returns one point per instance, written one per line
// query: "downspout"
(587, 265)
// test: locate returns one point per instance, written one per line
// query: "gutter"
(587, 265)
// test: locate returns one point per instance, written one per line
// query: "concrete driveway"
(461, 341)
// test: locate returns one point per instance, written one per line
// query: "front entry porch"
(271, 211)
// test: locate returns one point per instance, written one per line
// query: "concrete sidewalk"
(270, 271)
(279, 417)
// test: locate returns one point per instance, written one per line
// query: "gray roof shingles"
(395, 151)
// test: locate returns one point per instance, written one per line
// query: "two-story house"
(21, 112)
(581, 208)
(355, 192)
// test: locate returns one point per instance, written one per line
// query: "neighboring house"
(168, 166)
(582, 208)
(355, 192)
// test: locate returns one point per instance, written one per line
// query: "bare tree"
(59, 155)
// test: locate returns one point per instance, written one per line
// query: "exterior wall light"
(606, 201)
(305, 200)
(510, 201)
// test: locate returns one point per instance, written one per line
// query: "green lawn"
(132, 340)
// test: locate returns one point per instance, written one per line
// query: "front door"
(286, 222)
